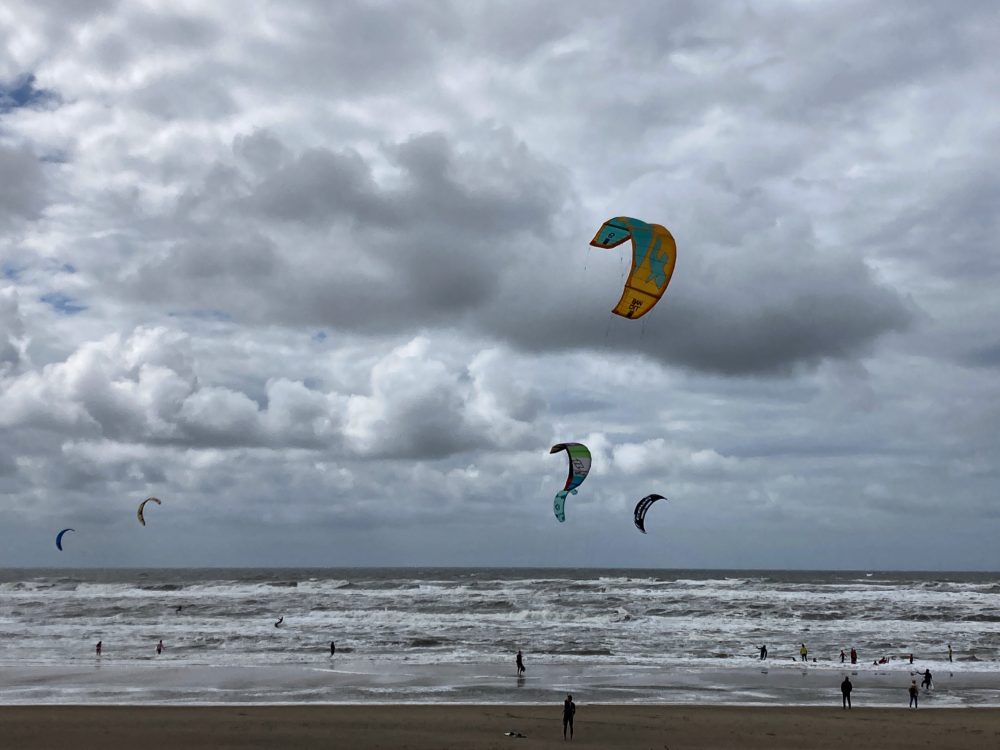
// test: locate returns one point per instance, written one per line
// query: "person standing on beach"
(842, 656)
(854, 656)
(914, 694)
(99, 648)
(949, 652)
(845, 691)
(763, 652)
(569, 711)
(520, 663)
(159, 647)
(803, 652)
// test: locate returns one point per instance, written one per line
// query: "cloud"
(332, 260)
(23, 191)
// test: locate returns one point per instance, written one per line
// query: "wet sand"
(441, 727)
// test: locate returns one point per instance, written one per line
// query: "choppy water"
(578, 621)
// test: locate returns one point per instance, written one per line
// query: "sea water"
(450, 635)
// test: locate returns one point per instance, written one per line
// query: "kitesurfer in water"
(333, 648)
(520, 663)
(569, 711)
(280, 620)
(926, 682)
(763, 651)
(159, 647)
(99, 648)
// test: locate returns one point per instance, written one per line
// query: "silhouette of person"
(845, 690)
(569, 711)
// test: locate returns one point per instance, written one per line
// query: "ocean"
(431, 635)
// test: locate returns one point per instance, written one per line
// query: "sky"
(317, 275)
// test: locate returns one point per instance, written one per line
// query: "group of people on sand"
(569, 707)
(846, 687)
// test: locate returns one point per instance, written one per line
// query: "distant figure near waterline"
(845, 691)
(520, 663)
(949, 652)
(763, 652)
(803, 652)
(914, 694)
(569, 711)
(159, 647)
(99, 648)
(854, 656)
(842, 656)
(926, 682)
(280, 620)
(333, 648)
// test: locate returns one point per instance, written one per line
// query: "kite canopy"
(142, 505)
(640, 510)
(579, 467)
(59, 537)
(654, 254)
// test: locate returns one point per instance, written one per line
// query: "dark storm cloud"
(345, 251)
(747, 316)
(470, 240)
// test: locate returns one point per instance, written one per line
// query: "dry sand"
(465, 727)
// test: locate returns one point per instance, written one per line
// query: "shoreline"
(440, 727)
(358, 682)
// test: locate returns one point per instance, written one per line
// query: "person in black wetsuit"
(763, 652)
(569, 711)
(845, 690)
(520, 663)
(926, 682)
(914, 694)
(99, 648)
(333, 648)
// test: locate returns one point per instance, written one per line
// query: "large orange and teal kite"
(654, 254)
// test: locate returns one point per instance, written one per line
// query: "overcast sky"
(317, 275)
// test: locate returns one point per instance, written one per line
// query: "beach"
(441, 727)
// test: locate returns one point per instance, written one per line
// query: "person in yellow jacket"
(803, 652)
